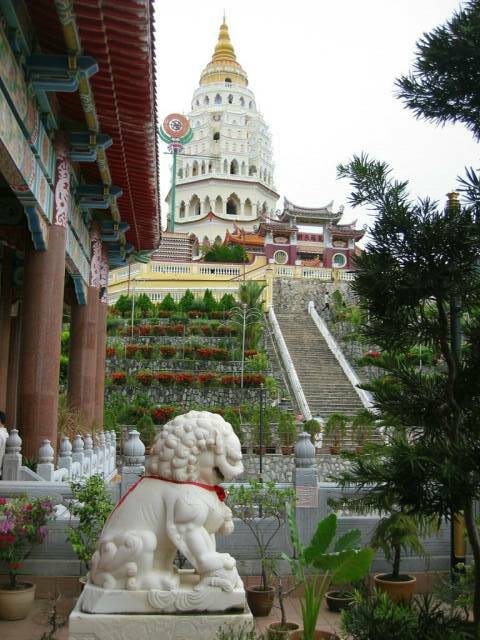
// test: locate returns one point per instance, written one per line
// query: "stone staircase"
(325, 385)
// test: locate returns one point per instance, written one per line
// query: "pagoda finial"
(224, 50)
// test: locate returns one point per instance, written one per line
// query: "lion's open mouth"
(220, 475)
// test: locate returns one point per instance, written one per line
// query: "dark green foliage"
(445, 83)
(224, 253)
(124, 305)
(92, 504)
(374, 616)
(209, 302)
(168, 303)
(418, 283)
(146, 428)
(227, 302)
(144, 305)
(186, 301)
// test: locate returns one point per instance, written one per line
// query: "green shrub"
(146, 428)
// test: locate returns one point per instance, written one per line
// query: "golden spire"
(223, 66)
(224, 50)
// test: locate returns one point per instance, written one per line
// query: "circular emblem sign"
(176, 125)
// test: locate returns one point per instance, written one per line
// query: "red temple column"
(39, 366)
(13, 367)
(101, 340)
(84, 331)
(41, 325)
(5, 321)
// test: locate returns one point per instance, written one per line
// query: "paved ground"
(37, 622)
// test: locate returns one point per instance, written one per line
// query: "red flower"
(131, 350)
(3, 500)
(159, 330)
(110, 352)
(145, 329)
(206, 378)
(249, 353)
(165, 378)
(184, 378)
(119, 377)
(14, 565)
(160, 415)
(167, 351)
(145, 378)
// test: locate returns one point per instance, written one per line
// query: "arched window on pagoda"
(206, 100)
(210, 167)
(207, 205)
(218, 204)
(252, 170)
(194, 208)
(180, 173)
(187, 171)
(203, 167)
(247, 207)
(233, 205)
(242, 102)
(195, 168)
(218, 240)
(218, 99)
(243, 169)
(234, 167)
(225, 166)
(181, 209)
(230, 99)
(216, 136)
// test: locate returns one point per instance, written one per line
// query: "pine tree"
(418, 282)
(444, 85)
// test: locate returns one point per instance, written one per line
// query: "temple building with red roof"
(78, 193)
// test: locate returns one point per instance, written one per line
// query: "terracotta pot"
(337, 602)
(260, 600)
(275, 631)
(397, 590)
(287, 451)
(16, 605)
(335, 451)
(320, 634)
(358, 449)
(259, 450)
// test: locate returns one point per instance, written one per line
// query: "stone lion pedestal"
(134, 590)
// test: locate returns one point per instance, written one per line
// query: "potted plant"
(281, 630)
(22, 526)
(91, 504)
(263, 439)
(393, 534)
(315, 567)
(313, 428)
(363, 424)
(287, 432)
(336, 427)
(262, 508)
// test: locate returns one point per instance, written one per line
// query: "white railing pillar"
(65, 456)
(12, 460)
(45, 466)
(133, 460)
(88, 455)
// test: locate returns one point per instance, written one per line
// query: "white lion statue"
(176, 505)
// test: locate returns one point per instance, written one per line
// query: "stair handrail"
(289, 366)
(353, 378)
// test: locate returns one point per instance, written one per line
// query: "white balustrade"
(316, 274)
(171, 268)
(81, 459)
(224, 270)
(284, 272)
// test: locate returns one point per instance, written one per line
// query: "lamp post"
(246, 317)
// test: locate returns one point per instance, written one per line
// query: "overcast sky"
(323, 75)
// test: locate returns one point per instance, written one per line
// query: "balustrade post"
(78, 454)
(88, 454)
(99, 450)
(113, 448)
(133, 460)
(305, 479)
(65, 455)
(106, 462)
(12, 460)
(45, 466)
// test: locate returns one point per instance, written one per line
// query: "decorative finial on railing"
(65, 447)
(304, 451)
(46, 453)
(134, 449)
(77, 444)
(13, 443)
(88, 442)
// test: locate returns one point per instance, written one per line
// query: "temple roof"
(309, 214)
(244, 239)
(119, 35)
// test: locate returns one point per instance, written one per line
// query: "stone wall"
(279, 468)
(205, 396)
(294, 295)
(132, 365)
(205, 341)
